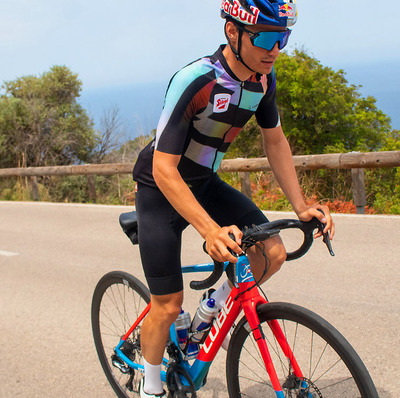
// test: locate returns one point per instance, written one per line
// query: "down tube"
(214, 340)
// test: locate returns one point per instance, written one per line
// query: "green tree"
(383, 184)
(320, 112)
(41, 121)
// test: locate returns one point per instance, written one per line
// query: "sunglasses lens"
(267, 40)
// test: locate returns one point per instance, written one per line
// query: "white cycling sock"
(152, 379)
(221, 294)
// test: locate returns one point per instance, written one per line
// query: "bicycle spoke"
(118, 299)
(122, 307)
(322, 357)
(114, 301)
(258, 377)
(328, 370)
(311, 353)
(311, 374)
(278, 352)
(106, 313)
(337, 383)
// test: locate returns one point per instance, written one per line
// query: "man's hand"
(326, 218)
(218, 241)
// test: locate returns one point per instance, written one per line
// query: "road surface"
(52, 255)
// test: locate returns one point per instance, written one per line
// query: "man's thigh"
(159, 231)
(228, 206)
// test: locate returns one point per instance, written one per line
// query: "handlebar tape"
(211, 280)
(260, 233)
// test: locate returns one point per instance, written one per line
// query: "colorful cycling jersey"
(205, 107)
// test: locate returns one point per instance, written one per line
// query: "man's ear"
(231, 32)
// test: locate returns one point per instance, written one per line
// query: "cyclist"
(206, 105)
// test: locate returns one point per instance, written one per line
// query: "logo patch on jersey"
(221, 102)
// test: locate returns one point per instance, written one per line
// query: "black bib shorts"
(161, 226)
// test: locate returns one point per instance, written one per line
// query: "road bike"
(276, 349)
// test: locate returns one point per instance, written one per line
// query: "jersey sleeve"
(267, 114)
(182, 102)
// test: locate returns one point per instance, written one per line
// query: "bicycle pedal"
(120, 364)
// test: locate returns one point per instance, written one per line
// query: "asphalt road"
(52, 255)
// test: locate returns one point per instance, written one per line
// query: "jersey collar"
(219, 55)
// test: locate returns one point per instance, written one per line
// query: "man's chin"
(265, 69)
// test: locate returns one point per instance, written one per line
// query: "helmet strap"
(239, 46)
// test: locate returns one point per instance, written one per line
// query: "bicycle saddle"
(128, 222)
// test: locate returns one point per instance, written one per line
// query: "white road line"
(7, 254)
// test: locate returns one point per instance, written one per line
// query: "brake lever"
(325, 236)
(230, 250)
(326, 239)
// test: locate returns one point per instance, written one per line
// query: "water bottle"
(203, 318)
(192, 351)
(182, 324)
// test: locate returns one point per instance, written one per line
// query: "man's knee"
(276, 253)
(278, 256)
(166, 308)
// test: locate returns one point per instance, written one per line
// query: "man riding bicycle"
(206, 105)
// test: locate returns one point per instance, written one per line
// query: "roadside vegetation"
(43, 124)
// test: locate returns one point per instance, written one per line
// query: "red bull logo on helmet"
(236, 11)
(286, 11)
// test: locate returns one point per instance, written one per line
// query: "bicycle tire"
(330, 366)
(118, 300)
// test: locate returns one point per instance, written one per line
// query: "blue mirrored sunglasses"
(267, 40)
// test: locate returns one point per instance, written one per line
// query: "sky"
(125, 52)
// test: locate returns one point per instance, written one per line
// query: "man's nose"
(275, 50)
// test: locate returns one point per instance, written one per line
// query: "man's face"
(257, 58)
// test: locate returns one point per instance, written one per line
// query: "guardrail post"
(359, 190)
(35, 188)
(245, 183)
(91, 188)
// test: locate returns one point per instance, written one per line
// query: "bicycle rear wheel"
(330, 366)
(118, 300)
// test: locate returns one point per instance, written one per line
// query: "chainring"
(180, 384)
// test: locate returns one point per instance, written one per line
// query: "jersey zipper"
(233, 123)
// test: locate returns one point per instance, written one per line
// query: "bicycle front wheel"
(118, 300)
(330, 366)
